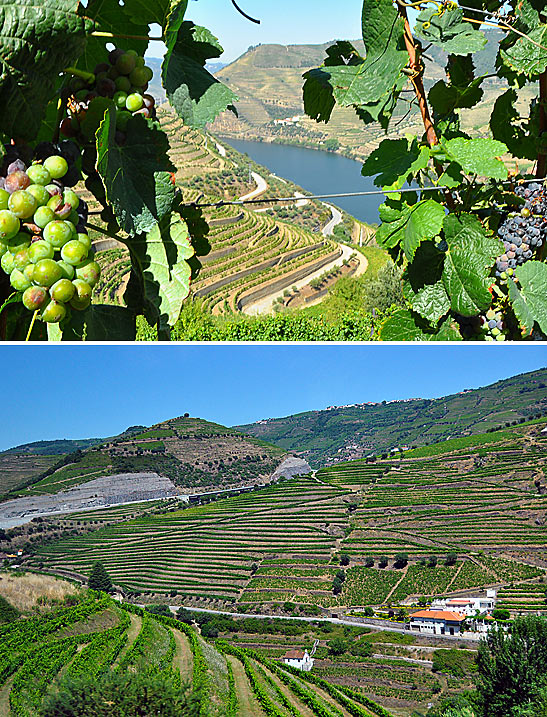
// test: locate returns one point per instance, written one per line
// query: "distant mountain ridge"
(341, 433)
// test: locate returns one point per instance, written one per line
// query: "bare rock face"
(291, 467)
(97, 493)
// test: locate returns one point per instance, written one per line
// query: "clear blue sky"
(51, 392)
(285, 22)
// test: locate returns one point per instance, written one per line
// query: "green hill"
(268, 81)
(356, 431)
(192, 452)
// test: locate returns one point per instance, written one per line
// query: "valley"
(246, 554)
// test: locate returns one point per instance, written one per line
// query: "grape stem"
(88, 77)
(34, 317)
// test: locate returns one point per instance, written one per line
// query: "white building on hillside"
(468, 606)
(436, 622)
(300, 660)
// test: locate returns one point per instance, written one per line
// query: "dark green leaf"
(38, 40)
(468, 262)
(137, 174)
(422, 283)
(111, 16)
(196, 95)
(405, 326)
(150, 11)
(414, 225)
(100, 322)
(161, 257)
(394, 160)
(449, 31)
(478, 156)
(521, 140)
(447, 98)
(532, 301)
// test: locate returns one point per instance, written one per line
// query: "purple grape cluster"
(523, 233)
(490, 326)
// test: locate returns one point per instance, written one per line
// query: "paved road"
(261, 187)
(328, 230)
(356, 623)
(264, 305)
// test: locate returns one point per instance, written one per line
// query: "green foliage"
(119, 694)
(8, 612)
(454, 662)
(512, 668)
(445, 240)
(99, 578)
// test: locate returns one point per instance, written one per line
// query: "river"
(318, 172)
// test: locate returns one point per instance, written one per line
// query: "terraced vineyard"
(250, 252)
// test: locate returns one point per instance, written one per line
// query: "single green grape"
(22, 203)
(4, 196)
(9, 224)
(134, 102)
(34, 297)
(85, 239)
(18, 242)
(7, 262)
(21, 259)
(82, 298)
(3, 248)
(18, 280)
(28, 271)
(63, 290)
(122, 84)
(89, 271)
(119, 99)
(73, 219)
(57, 233)
(39, 250)
(125, 64)
(122, 118)
(38, 174)
(43, 216)
(71, 198)
(74, 252)
(67, 269)
(57, 166)
(47, 272)
(53, 312)
(40, 193)
(139, 77)
(139, 62)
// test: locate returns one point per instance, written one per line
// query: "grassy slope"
(324, 435)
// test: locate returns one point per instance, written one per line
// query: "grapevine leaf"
(162, 256)
(394, 160)
(94, 116)
(528, 56)
(447, 98)
(520, 307)
(520, 141)
(449, 31)
(196, 95)
(39, 39)
(451, 177)
(413, 225)
(403, 325)
(150, 11)
(468, 262)
(422, 283)
(532, 277)
(137, 174)
(100, 322)
(370, 85)
(478, 156)
(110, 16)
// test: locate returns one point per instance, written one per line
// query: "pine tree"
(99, 579)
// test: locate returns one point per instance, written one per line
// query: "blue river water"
(318, 172)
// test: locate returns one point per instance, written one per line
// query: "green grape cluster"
(44, 247)
(123, 79)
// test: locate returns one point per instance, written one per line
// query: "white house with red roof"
(468, 606)
(436, 622)
(299, 659)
